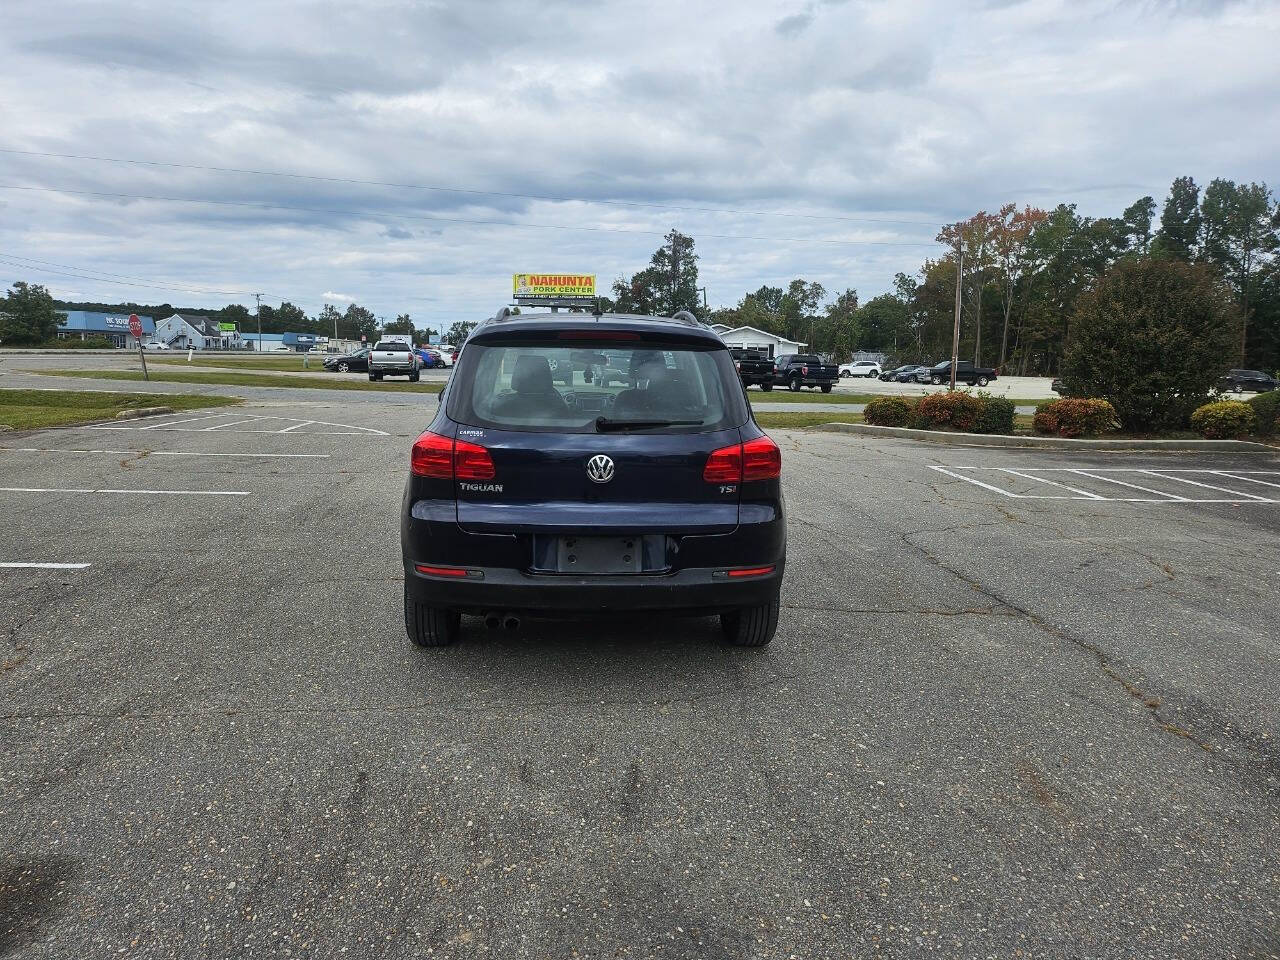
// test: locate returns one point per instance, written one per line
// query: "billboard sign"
(226, 327)
(533, 288)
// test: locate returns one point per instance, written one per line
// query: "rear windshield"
(386, 345)
(567, 389)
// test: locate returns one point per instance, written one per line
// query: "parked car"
(1057, 387)
(394, 358)
(966, 372)
(357, 360)
(448, 353)
(1255, 381)
(525, 499)
(754, 366)
(796, 370)
(903, 374)
(860, 368)
(155, 345)
(429, 359)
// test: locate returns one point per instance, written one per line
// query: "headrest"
(532, 375)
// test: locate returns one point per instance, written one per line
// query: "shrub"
(1075, 417)
(887, 412)
(1152, 337)
(957, 410)
(75, 343)
(1266, 413)
(1223, 419)
(996, 415)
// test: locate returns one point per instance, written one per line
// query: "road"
(999, 719)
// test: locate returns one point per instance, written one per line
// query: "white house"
(753, 339)
(188, 330)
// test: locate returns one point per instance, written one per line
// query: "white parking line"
(164, 453)
(170, 423)
(43, 566)
(1103, 475)
(304, 423)
(1207, 486)
(1054, 483)
(175, 493)
(1234, 476)
(1134, 486)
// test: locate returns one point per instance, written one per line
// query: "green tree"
(882, 324)
(1137, 219)
(294, 319)
(236, 313)
(327, 323)
(1151, 337)
(27, 315)
(458, 333)
(1239, 232)
(837, 331)
(668, 284)
(1180, 221)
(358, 322)
(800, 309)
(401, 324)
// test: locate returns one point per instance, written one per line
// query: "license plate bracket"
(599, 555)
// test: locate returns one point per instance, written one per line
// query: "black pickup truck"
(754, 366)
(966, 372)
(796, 370)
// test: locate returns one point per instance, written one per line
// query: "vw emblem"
(600, 468)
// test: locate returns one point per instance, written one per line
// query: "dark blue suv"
(593, 465)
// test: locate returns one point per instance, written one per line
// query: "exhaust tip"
(511, 622)
(492, 621)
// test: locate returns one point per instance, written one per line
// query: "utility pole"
(258, 297)
(955, 335)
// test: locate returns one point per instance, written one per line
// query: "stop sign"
(135, 326)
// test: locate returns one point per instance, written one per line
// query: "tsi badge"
(600, 468)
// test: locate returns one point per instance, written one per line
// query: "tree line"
(29, 314)
(1023, 273)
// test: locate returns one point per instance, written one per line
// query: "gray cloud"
(922, 112)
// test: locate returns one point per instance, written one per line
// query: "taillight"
(804, 371)
(444, 459)
(761, 459)
(432, 456)
(471, 461)
(724, 465)
(758, 459)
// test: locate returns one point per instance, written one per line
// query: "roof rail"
(687, 317)
(503, 314)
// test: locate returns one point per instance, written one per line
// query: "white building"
(752, 339)
(188, 330)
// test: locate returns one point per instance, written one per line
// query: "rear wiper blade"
(604, 424)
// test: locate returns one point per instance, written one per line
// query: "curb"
(138, 412)
(1048, 443)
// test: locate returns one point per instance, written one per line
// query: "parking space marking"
(174, 493)
(43, 566)
(1207, 486)
(1055, 483)
(1132, 486)
(1103, 475)
(1235, 476)
(165, 453)
(234, 421)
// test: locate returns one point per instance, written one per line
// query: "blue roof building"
(83, 324)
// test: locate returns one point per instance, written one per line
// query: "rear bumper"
(701, 591)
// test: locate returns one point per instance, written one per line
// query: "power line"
(469, 192)
(125, 278)
(260, 205)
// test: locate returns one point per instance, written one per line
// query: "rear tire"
(794, 385)
(751, 626)
(935, 380)
(766, 387)
(826, 388)
(414, 377)
(344, 367)
(430, 626)
(982, 381)
(372, 378)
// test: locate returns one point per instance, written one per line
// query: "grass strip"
(35, 409)
(249, 380)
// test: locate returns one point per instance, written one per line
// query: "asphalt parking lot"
(1000, 719)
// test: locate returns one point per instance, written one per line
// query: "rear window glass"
(566, 389)
(391, 345)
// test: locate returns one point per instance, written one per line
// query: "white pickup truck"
(393, 358)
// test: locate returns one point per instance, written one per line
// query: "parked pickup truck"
(393, 358)
(796, 370)
(754, 366)
(966, 372)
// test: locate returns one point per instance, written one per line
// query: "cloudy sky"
(413, 155)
